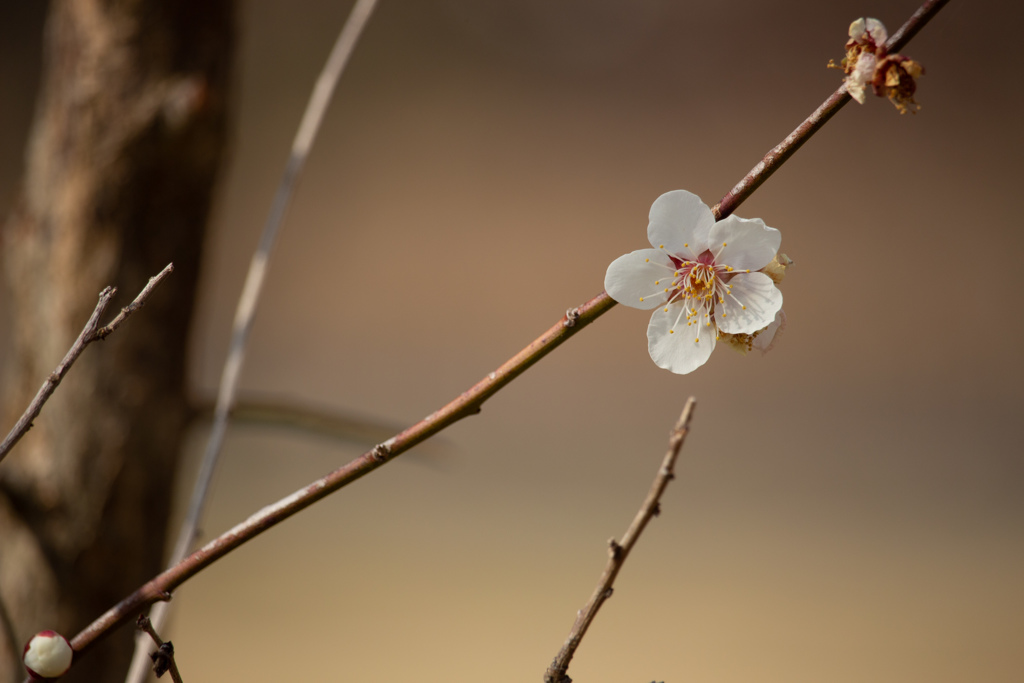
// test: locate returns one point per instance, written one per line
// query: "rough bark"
(124, 152)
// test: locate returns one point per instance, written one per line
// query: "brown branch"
(90, 333)
(618, 552)
(468, 403)
(163, 658)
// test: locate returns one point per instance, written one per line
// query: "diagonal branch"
(90, 333)
(618, 552)
(466, 404)
(469, 403)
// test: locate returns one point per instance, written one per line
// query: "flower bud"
(47, 655)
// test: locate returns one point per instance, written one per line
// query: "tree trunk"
(125, 148)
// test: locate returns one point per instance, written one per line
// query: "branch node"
(163, 658)
(614, 549)
(572, 316)
(380, 452)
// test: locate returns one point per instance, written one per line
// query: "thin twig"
(466, 404)
(90, 333)
(248, 300)
(163, 658)
(135, 305)
(618, 552)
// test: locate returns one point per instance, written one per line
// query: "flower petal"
(876, 31)
(863, 73)
(686, 347)
(680, 222)
(765, 339)
(638, 279)
(751, 306)
(868, 31)
(744, 244)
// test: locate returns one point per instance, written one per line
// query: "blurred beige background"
(848, 508)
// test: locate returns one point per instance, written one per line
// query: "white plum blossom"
(866, 36)
(869, 63)
(47, 655)
(702, 279)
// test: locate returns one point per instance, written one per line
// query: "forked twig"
(618, 552)
(466, 404)
(90, 333)
(245, 313)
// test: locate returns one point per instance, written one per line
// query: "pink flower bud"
(47, 655)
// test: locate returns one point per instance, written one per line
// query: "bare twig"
(246, 311)
(618, 552)
(90, 333)
(135, 305)
(466, 404)
(163, 658)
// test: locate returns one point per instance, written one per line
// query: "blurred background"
(847, 508)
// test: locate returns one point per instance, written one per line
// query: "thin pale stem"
(468, 403)
(90, 333)
(246, 312)
(618, 552)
